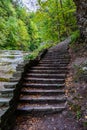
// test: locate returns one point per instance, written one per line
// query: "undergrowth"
(36, 52)
(75, 36)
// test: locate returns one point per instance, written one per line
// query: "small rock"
(84, 68)
(54, 128)
(52, 119)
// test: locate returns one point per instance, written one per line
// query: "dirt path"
(64, 121)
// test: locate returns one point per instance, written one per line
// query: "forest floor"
(75, 116)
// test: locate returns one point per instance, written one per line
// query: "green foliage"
(85, 124)
(78, 114)
(55, 19)
(4, 79)
(76, 108)
(17, 30)
(36, 52)
(75, 35)
(23, 30)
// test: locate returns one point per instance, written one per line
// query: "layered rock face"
(82, 17)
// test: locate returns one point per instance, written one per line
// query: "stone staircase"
(37, 86)
(43, 86)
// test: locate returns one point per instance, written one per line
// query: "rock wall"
(82, 17)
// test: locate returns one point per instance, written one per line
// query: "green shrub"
(75, 35)
(36, 52)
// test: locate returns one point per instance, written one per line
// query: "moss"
(74, 37)
(85, 124)
(10, 72)
(11, 57)
(4, 79)
(78, 114)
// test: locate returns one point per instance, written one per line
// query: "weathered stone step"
(38, 105)
(55, 49)
(39, 109)
(14, 79)
(10, 85)
(54, 62)
(57, 55)
(49, 71)
(6, 93)
(43, 86)
(42, 99)
(44, 80)
(55, 58)
(19, 68)
(49, 68)
(52, 65)
(4, 102)
(34, 75)
(42, 92)
(17, 74)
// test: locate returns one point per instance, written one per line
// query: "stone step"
(10, 85)
(40, 105)
(39, 109)
(56, 57)
(44, 80)
(6, 93)
(57, 54)
(19, 68)
(14, 79)
(48, 71)
(54, 62)
(43, 86)
(42, 92)
(17, 74)
(52, 65)
(42, 99)
(4, 102)
(49, 68)
(56, 49)
(34, 75)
